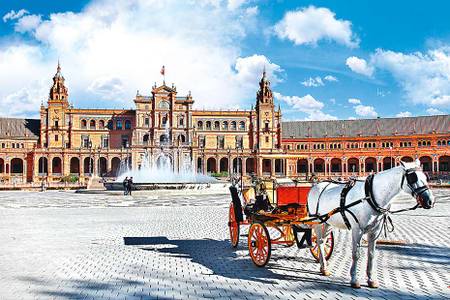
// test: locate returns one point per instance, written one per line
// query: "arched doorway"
(102, 166)
(74, 166)
(425, 162)
(388, 163)
(88, 166)
(319, 165)
(444, 163)
(223, 165)
(115, 165)
(237, 165)
(43, 166)
(56, 166)
(145, 139)
(370, 164)
(407, 159)
(250, 165)
(16, 166)
(2, 165)
(302, 166)
(267, 166)
(353, 165)
(336, 165)
(211, 165)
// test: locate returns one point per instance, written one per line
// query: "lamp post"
(390, 148)
(90, 158)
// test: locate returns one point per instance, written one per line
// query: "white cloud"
(365, 111)
(109, 88)
(307, 104)
(403, 114)
(425, 77)
(252, 11)
(117, 39)
(330, 78)
(27, 23)
(234, 4)
(12, 15)
(313, 82)
(333, 101)
(354, 101)
(434, 111)
(359, 65)
(311, 24)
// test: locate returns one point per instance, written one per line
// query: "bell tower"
(267, 124)
(56, 114)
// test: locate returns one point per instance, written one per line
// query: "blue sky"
(326, 59)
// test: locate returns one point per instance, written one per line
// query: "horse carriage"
(276, 213)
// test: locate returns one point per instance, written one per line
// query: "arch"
(211, 165)
(233, 125)
(127, 124)
(16, 166)
(223, 164)
(237, 165)
(115, 165)
(2, 165)
(336, 165)
(267, 166)
(102, 170)
(92, 124)
(370, 164)
(216, 125)
(119, 125)
(56, 165)
(353, 165)
(83, 124)
(426, 162)
(101, 124)
(242, 125)
(164, 139)
(225, 125)
(200, 125)
(181, 138)
(319, 165)
(88, 165)
(250, 165)
(388, 163)
(444, 163)
(43, 165)
(110, 125)
(208, 125)
(407, 159)
(74, 165)
(302, 166)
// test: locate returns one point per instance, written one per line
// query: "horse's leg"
(321, 233)
(371, 257)
(356, 240)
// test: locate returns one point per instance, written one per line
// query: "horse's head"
(417, 185)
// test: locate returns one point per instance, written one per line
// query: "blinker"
(411, 178)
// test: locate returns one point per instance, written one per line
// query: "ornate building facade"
(85, 142)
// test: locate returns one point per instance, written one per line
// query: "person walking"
(130, 185)
(125, 186)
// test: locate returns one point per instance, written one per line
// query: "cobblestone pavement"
(75, 246)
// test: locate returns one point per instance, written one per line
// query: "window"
(56, 138)
(239, 142)
(56, 123)
(201, 141)
(125, 142)
(92, 124)
(181, 121)
(147, 122)
(220, 142)
(85, 141)
(200, 125)
(225, 125)
(266, 126)
(101, 124)
(119, 124)
(164, 105)
(208, 125)
(127, 124)
(267, 139)
(233, 125)
(216, 125)
(83, 124)
(105, 142)
(242, 125)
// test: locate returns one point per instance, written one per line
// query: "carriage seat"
(288, 195)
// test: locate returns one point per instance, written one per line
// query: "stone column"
(272, 167)
(244, 167)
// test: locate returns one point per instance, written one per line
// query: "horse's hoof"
(355, 285)
(373, 284)
(325, 272)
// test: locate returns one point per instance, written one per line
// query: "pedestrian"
(130, 185)
(125, 186)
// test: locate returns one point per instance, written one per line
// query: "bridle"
(411, 179)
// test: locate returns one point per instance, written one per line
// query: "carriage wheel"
(259, 244)
(289, 235)
(233, 226)
(328, 245)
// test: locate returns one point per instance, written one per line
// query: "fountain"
(159, 173)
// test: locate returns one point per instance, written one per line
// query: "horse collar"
(368, 188)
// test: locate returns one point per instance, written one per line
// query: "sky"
(326, 60)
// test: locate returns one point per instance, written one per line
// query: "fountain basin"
(118, 186)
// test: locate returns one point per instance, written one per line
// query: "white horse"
(365, 217)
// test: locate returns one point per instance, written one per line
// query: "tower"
(267, 124)
(54, 119)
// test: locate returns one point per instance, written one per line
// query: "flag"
(163, 71)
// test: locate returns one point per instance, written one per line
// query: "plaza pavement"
(62, 245)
